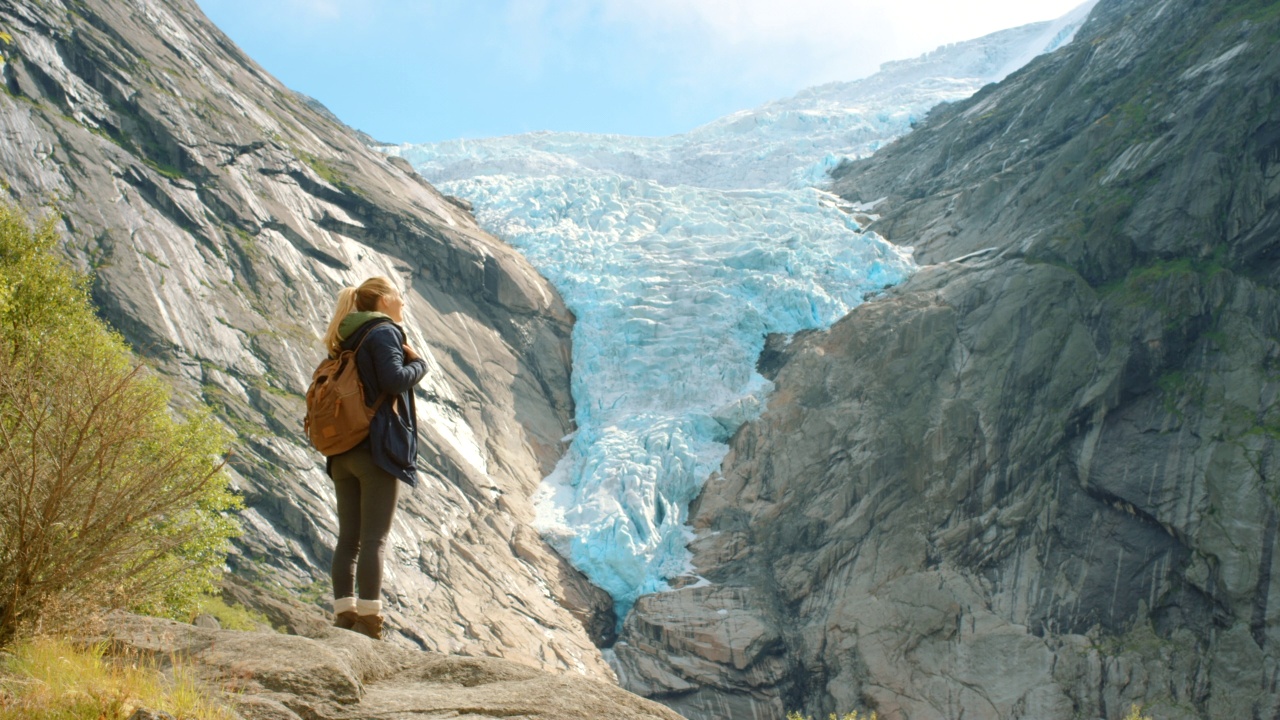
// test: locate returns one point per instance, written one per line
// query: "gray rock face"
(1039, 479)
(220, 213)
(341, 675)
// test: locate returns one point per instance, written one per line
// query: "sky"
(431, 70)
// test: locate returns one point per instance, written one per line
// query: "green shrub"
(229, 617)
(106, 501)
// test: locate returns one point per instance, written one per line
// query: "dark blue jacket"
(393, 432)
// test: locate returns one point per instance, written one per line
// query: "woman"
(367, 478)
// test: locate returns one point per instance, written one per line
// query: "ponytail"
(355, 299)
(345, 306)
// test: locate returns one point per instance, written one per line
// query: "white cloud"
(529, 32)
(765, 42)
(316, 10)
(686, 61)
(809, 41)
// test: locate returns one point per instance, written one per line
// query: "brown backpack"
(337, 416)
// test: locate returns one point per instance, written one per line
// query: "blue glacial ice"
(678, 255)
(674, 289)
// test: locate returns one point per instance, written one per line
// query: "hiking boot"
(370, 625)
(345, 619)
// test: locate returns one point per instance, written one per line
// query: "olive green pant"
(366, 506)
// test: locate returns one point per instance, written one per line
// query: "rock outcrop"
(220, 212)
(1040, 478)
(340, 675)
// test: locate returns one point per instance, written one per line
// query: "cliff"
(220, 212)
(1038, 479)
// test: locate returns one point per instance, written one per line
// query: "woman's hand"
(409, 354)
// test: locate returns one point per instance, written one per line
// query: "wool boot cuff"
(368, 607)
(342, 605)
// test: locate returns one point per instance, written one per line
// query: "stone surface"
(1039, 479)
(284, 613)
(148, 714)
(205, 620)
(341, 675)
(220, 213)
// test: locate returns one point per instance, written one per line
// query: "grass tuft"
(51, 679)
(793, 715)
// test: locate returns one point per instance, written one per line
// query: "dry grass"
(50, 679)
(793, 715)
(1135, 713)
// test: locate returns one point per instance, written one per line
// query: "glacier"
(678, 255)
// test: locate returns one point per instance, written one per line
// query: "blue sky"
(428, 70)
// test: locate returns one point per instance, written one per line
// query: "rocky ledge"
(340, 675)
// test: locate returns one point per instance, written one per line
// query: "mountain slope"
(1039, 478)
(220, 213)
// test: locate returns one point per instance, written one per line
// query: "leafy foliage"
(106, 501)
(229, 617)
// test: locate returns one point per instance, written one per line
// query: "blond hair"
(355, 299)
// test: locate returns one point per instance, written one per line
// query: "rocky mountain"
(220, 213)
(1038, 479)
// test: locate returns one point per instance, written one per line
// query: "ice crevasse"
(678, 255)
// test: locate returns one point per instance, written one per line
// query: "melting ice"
(678, 255)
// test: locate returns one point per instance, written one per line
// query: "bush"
(229, 617)
(106, 501)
